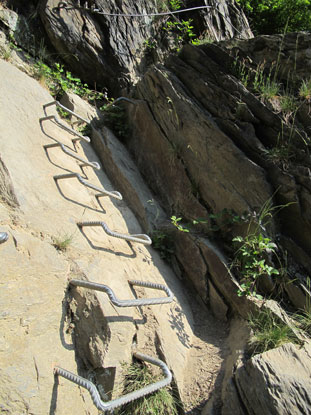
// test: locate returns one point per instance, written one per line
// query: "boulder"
(277, 381)
(79, 106)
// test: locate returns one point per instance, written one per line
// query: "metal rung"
(58, 104)
(128, 303)
(121, 99)
(111, 405)
(65, 127)
(93, 164)
(139, 238)
(102, 191)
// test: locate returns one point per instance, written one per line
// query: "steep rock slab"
(122, 170)
(223, 20)
(203, 141)
(276, 382)
(200, 164)
(36, 276)
(30, 325)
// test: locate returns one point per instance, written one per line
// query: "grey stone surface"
(277, 382)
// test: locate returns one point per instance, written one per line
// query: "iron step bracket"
(128, 303)
(122, 400)
(58, 104)
(120, 99)
(65, 127)
(84, 162)
(102, 191)
(138, 238)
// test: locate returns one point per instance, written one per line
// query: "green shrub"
(277, 16)
(251, 263)
(58, 80)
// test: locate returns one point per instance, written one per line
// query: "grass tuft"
(62, 243)
(305, 89)
(269, 332)
(161, 402)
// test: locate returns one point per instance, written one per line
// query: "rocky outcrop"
(111, 50)
(289, 53)
(203, 142)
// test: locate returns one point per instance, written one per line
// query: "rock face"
(198, 138)
(206, 144)
(280, 381)
(110, 50)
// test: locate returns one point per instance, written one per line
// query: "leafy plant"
(85, 129)
(176, 222)
(175, 4)
(150, 44)
(225, 217)
(64, 114)
(269, 331)
(251, 261)
(62, 243)
(160, 402)
(58, 80)
(182, 30)
(252, 258)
